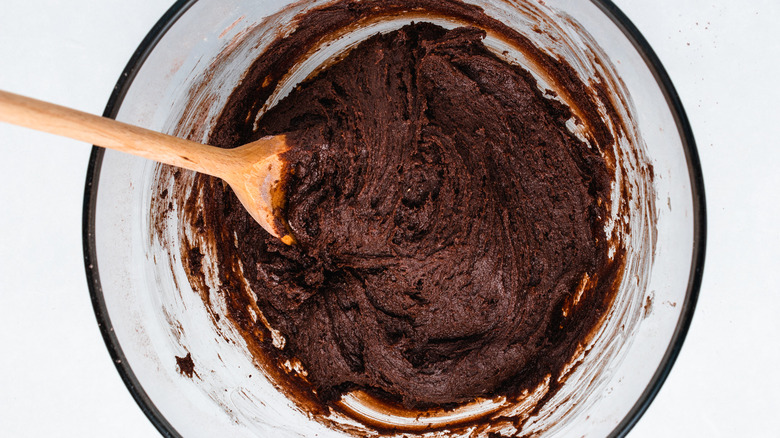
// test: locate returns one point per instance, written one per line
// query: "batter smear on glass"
(446, 223)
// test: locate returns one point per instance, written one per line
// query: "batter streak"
(446, 221)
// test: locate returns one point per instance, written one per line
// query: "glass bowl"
(193, 375)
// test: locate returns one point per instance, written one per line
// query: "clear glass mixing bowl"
(149, 314)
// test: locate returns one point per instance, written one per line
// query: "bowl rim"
(610, 10)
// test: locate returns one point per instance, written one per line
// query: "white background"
(56, 377)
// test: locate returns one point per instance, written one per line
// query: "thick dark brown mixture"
(445, 216)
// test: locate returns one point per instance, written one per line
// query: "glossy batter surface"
(446, 221)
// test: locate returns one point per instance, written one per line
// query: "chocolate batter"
(186, 365)
(447, 222)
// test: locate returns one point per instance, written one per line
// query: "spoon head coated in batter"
(258, 184)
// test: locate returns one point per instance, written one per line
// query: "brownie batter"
(446, 220)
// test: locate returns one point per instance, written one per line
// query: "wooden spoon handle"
(109, 133)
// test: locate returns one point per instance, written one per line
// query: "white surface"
(57, 379)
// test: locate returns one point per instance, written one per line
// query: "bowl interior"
(151, 315)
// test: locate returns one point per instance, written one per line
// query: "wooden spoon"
(253, 170)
